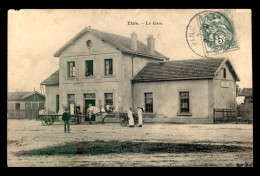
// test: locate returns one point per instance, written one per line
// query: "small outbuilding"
(246, 108)
(23, 105)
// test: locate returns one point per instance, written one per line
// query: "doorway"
(28, 112)
(89, 103)
(34, 110)
(90, 100)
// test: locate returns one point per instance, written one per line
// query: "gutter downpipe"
(132, 83)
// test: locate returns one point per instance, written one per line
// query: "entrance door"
(89, 103)
(28, 113)
(34, 110)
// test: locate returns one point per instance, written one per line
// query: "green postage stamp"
(218, 32)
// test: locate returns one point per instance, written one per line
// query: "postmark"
(211, 32)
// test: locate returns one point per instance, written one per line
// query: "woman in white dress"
(130, 117)
(140, 116)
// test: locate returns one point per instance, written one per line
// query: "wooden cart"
(49, 119)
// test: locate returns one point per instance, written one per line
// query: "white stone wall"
(224, 90)
(98, 83)
(166, 100)
(132, 65)
(50, 98)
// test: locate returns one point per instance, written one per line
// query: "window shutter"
(110, 66)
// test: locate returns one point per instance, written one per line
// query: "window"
(71, 99)
(148, 99)
(184, 102)
(89, 43)
(17, 106)
(41, 106)
(108, 99)
(90, 96)
(71, 69)
(108, 67)
(89, 68)
(224, 73)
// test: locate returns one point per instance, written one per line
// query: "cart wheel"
(73, 121)
(79, 120)
(49, 120)
(44, 118)
(121, 121)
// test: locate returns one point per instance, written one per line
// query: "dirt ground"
(25, 135)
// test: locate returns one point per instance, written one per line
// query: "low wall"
(178, 120)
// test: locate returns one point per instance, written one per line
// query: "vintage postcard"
(130, 88)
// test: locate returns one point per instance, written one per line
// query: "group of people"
(140, 111)
(66, 117)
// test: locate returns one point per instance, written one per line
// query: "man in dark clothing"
(66, 118)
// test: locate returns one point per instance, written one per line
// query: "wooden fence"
(230, 115)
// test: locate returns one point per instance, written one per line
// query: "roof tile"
(120, 42)
(178, 69)
(248, 92)
(16, 95)
(53, 80)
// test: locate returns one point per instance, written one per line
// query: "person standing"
(66, 118)
(140, 116)
(130, 117)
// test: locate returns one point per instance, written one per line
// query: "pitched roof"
(53, 80)
(16, 95)
(120, 42)
(248, 92)
(32, 93)
(180, 69)
(21, 95)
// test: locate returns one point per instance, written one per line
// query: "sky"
(35, 35)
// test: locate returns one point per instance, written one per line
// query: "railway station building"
(99, 68)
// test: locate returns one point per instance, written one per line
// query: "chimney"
(134, 41)
(151, 44)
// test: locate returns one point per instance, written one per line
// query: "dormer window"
(89, 68)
